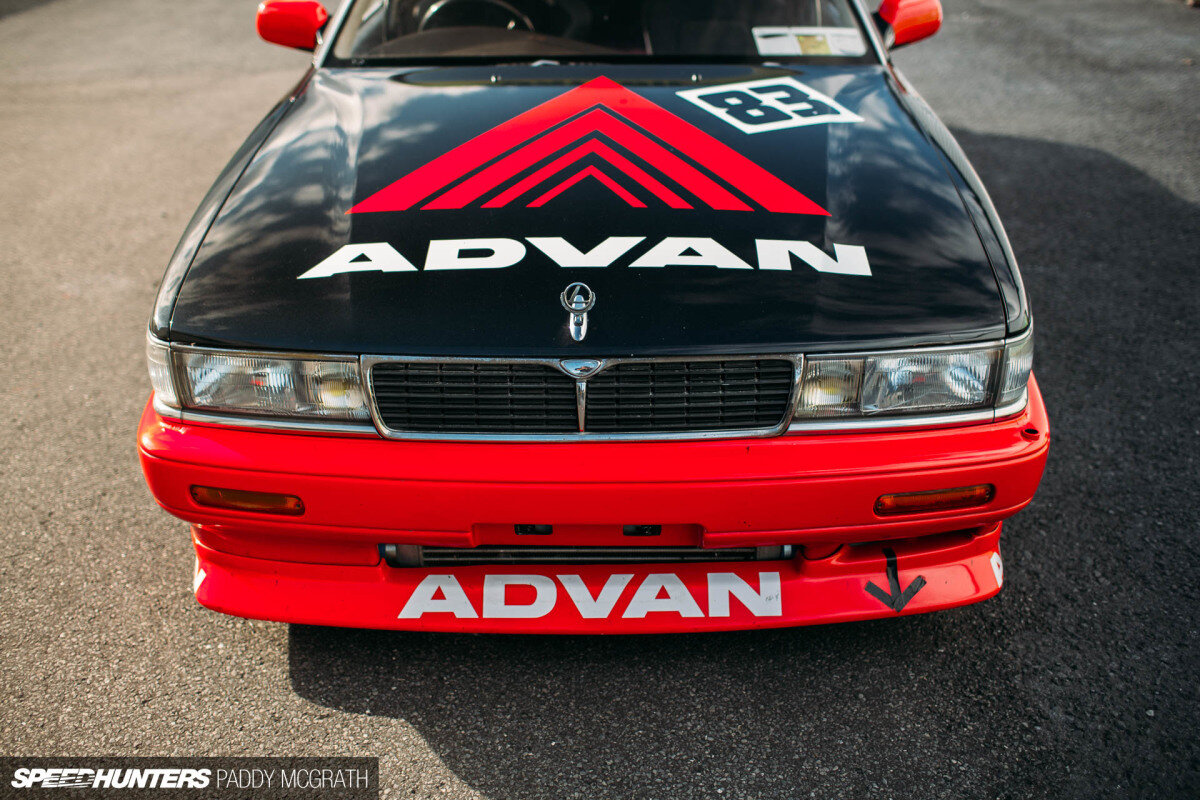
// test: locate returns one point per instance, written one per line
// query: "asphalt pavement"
(1081, 679)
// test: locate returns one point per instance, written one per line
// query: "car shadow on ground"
(1042, 691)
(756, 714)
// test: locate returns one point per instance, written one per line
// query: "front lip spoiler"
(934, 573)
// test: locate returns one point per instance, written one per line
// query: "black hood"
(350, 135)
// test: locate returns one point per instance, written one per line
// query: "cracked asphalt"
(1079, 680)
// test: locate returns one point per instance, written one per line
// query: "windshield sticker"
(768, 105)
(803, 41)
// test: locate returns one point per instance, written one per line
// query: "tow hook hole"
(1030, 433)
(818, 551)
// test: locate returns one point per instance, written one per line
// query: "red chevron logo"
(636, 149)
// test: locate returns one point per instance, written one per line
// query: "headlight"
(923, 383)
(281, 387)
(892, 384)
(830, 388)
(1018, 363)
(158, 359)
(265, 385)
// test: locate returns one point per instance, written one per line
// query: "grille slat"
(625, 397)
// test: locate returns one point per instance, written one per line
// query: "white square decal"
(768, 105)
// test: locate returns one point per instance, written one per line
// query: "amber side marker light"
(938, 500)
(238, 500)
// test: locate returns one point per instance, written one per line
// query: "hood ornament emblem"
(578, 299)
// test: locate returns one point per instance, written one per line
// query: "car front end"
(594, 342)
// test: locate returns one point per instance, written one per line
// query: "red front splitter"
(926, 574)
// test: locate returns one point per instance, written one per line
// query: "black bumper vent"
(671, 396)
(513, 554)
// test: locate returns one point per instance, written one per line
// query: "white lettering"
(678, 600)
(495, 600)
(448, 254)
(766, 602)
(674, 252)
(601, 605)
(370, 257)
(777, 254)
(453, 600)
(566, 254)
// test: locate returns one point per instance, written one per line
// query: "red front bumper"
(818, 490)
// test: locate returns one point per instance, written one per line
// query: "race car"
(586, 316)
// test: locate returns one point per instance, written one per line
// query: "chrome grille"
(639, 398)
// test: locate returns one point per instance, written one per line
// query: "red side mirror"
(908, 21)
(291, 23)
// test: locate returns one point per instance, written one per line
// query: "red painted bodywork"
(911, 20)
(819, 490)
(291, 23)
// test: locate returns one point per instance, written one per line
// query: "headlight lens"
(281, 387)
(831, 388)
(886, 384)
(922, 383)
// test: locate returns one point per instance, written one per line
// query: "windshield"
(599, 29)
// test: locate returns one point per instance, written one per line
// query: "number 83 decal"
(768, 105)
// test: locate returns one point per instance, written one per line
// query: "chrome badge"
(579, 367)
(578, 299)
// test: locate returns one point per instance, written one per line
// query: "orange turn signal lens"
(238, 500)
(938, 500)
